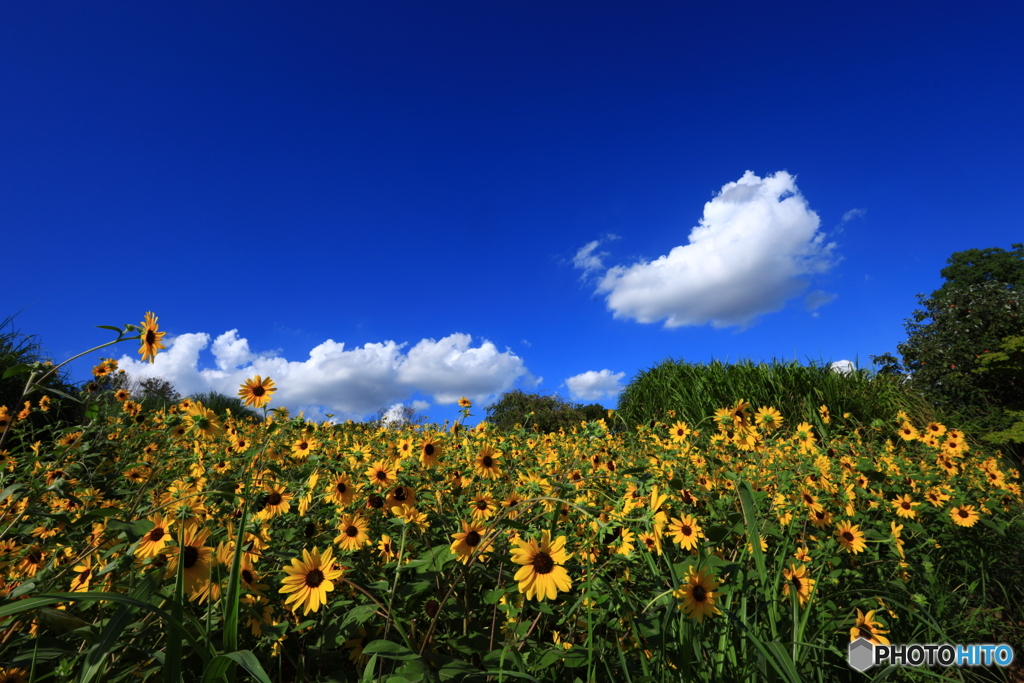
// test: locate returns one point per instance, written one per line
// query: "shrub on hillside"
(545, 414)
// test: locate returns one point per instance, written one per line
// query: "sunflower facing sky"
(256, 391)
(151, 338)
(310, 580)
(542, 575)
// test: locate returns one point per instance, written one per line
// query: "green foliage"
(545, 414)
(696, 391)
(1007, 366)
(154, 393)
(221, 404)
(976, 309)
(21, 349)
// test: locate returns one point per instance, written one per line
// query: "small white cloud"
(817, 299)
(748, 256)
(420, 405)
(349, 383)
(851, 214)
(592, 386)
(587, 261)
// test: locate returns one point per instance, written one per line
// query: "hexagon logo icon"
(861, 654)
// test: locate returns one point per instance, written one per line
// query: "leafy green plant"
(692, 392)
(221, 404)
(980, 304)
(545, 414)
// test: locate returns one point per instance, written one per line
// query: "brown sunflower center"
(382, 475)
(247, 576)
(428, 449)
(686, 530)
(191, 555)
(341, 487)
(543, 564)
(314, 578)
(150, 337)
(274, 499)
(258, 391)
(156, 534)
(376, 501)
(797, 583)
(351, 531)
(401, 494)
(482, 505)
(700, 593)
(963, 514)
(432, 607)
(472, 539)
(487, 461)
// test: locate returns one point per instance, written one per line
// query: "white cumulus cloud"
(751, 252)
(593, 386)
(348, 383)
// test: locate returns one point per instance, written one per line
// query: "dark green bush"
(544, 414)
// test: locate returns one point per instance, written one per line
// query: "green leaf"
(19, 369)
(219, 665)
(389, 650)
(110, 327)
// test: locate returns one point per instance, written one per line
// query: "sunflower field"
(179, 545)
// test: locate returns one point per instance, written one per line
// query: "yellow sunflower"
(487, 463)
(685, 532)
(302, 447)
(276, 501)
(352, 534)
(150, 338)
(383, 474)
(400, 495)
(256, 391)
(483, 506)
(310, 580)
(867, 627)
(430, 452)
(851, 537)
(542, 575)
(679, 431)
(964, 515)
(797, 579)
(905, 506)
(156, 538)
(196, 557)
(470, 540)
(768, 418)
(698, 594)
(342, 491)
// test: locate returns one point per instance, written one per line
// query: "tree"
(221, 403)
(546, 414)
(1008, 365)
(154, 393)
(980, 304)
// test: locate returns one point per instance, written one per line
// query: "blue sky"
(392, 202)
